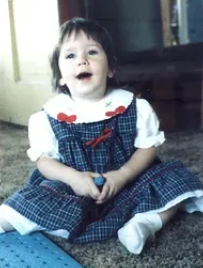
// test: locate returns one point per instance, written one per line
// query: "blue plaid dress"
(53, 204)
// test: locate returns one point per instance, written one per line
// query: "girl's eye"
(70, 56)
(92, 52)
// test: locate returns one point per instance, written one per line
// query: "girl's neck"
(88, 100)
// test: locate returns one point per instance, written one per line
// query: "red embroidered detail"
(119, 110)
(69, 119)
(105, 134)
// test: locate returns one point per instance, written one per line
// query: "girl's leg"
(5, 226)
(137, 230)
(168, 214)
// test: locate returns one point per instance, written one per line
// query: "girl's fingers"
(94, 191)
(94, 175)
(104, 193)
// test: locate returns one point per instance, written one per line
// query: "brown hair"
(93, 31)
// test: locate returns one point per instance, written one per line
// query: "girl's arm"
(139, 162)
(52, 169)
(148, 137)
(44, 151)
(81, 182)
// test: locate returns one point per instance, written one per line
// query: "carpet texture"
(178, 245)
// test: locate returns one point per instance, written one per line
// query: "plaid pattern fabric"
(109, 154)
(53, 204)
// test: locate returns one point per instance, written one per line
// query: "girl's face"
(84, 67)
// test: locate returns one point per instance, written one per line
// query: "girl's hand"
(83, 184)
(115, 182)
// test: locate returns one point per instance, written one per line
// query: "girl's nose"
(82, 60)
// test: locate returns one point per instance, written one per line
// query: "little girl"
(89, 130)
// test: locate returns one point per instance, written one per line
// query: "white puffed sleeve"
(148, 133)
(41, 137)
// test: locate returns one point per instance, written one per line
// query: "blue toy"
(32, 251)
(99, 181)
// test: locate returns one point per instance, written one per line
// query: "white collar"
(63, 108)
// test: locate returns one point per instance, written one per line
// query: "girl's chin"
(88, 97)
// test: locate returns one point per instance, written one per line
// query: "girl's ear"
(61, 82)
(111, 73)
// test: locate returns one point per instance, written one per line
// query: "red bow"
(105, 134)
(69, 119)
(119, 110)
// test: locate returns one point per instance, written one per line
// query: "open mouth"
(84, 75)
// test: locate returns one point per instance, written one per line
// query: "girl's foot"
(136, 231)
(1, 230)
(5, 226)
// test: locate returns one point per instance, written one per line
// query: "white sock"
(1, 230)
(137, 230)
(60, 233)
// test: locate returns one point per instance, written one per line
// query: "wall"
(27, 29)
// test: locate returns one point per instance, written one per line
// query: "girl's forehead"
(79, 37)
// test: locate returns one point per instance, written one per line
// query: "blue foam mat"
(32, 251)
